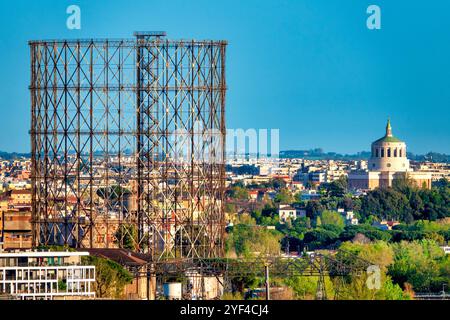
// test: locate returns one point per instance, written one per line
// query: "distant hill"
(312, 154)
(319, 154)
(13, 155)
(430, 156)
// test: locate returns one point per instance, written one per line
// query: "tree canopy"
(110, 277)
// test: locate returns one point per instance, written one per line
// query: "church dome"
(388, 137)
(388, 153)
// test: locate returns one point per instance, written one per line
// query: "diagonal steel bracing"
(128, 144)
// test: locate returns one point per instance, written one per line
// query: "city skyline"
(336, 81)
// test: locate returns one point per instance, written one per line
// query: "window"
(382, 152)
(389, 152)
(395, 152)
(376, 153)
(388, 165)
(400, 153)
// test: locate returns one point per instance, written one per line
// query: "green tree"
(248, 239)
(319, 238)
(380, 254)
(278, 184)
(112, 192)
(406, 202)
(421, 264)
(239, 193)
(230, 208)
(126, 235)
(318, 222)
(284, 197)
(62, 285)
(370, 232)
(305, 287)
(110, 277)
(385, 203)
(232, 296)
(332, 218)
(337, 188)
(313, 208)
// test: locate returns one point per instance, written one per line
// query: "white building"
(31, 275)
(446, 249)
(286, 212)
(297, 186)
(348, 216)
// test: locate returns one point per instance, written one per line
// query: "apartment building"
(15, 228)
(46, 275)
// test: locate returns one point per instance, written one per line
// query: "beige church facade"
(387, 163)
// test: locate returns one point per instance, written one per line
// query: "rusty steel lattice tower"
(128, 144)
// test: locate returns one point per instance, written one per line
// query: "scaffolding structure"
(128, 144)
(339, 268)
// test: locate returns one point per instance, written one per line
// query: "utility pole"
(266, 272)
(287, 245)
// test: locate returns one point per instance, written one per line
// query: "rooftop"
(121, 256)
(42, 254)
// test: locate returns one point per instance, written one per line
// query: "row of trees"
(406, 202)
(420, 266)
(329, 230)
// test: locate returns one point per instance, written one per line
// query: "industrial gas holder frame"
(128, 144)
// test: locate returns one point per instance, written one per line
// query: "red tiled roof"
(20, 191)
(121, 256)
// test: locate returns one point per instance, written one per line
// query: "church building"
(388, 162)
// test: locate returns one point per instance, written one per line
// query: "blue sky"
(308, 67)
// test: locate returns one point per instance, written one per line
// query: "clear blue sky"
(308, 67)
